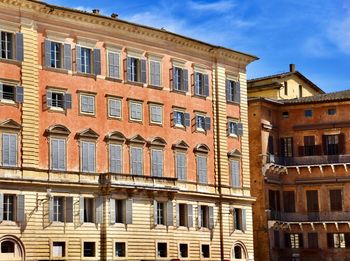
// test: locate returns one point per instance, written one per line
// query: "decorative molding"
(10, 124)
(57, 129)
(87, 133)
(115, 136)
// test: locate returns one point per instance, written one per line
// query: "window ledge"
(179, 91)
(233, 103)
(156, 124)
(87, 75)
(200, 130)
(114, 79)
(87, 114)
(155, 87)
(8, 102)
(160, 227)
(233, 136)
(10, 61)
(114, 118)
(203, 97)
(58, 70)
(8, 223)
(57, 109)
(178, 126)
(140, 84)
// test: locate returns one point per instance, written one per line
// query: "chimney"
(96, 11)
(114, 15)
(292, 67)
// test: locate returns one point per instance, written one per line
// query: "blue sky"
(313, 34)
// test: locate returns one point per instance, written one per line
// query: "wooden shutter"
(51, 203)
(48, 98)
(235, 173)
(324, 144)
(47, 51)
(312, 240)
(244, 219)
(6, 149)
(1, 90)
(282, 147)
(20, 211)
(128, 68)
(178, 214)
(69, 209)
(239, 129)
(336, 199)
(78, 58)
(111, 72)
(289, 201)
(228, 91)
(81, 209)
(169, 213)
(173, 78)
(347, 240)
(189, 215)
(84, 156)
(97, 61)
(10, 149)
(207, 123)
(187, 120)
(301, 240)
(237, 94)
(67, 57)
(287, 243)
(1, 206)
(312, 200)
(112, 210)
(155, 214)
(19, 47)
(99, 210)
(91, 156)
(185, 80)
(143, 69)
(54, 154)
(199, 217)
(330, 240)
(197, 87)
(61, 154)
(128, 211)
(206, 84)
(67, 101)
(115, 158)
(341, 143)
(211, 217)
(19, 94)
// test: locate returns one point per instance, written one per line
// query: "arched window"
(11, 248)
(239, 252)
(7, 247)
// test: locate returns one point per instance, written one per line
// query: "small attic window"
(285, 114)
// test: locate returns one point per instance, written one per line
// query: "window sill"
(58, 70)
(233, 136)
(140, 84)
(179, 91)
(113, 79)
(10, 61)
(160, 227)
(87, 114)
(155, 87)
(8, 102)
(135, 121)
(203, 97)
(58, 171)
(181, 127)
(200, 130)
(156, 124)
(8, 223)
(57, 109)
(87, 75)
(233, 103)
(114, 118)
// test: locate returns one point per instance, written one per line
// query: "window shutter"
(196, 84)
(143, 65)
(1, 91)
(97, 61)
(128, 68)
(111, 72)
(67, 49)
(48, 99)
(235, 173)
(237, 95)
(185, 80)
(81, 209)
(207, 123)
(51, 202)
(228, 91)
(173, 78)
(99, 210)
(330, 240)
(234, 218)
(62, 154)
(19, 47)
(128, 211)
(19, 94)
(5, 149)
(112, 210)
(78, 58)
(67, 101)
(155, 215)
(301, 240)
(116, 68)
(187, 120)
(324, 144)
(91, 157)
(287, 242)
(178, 214)
(54, 154)
(244, 219)
(1, 206)
(91, 104)
(47, 50)
(13, 150)
(115, 158)
(169, 215)
(341, 143)
(240, 129)
(347, 239)
(189, 215)
(20, 211)
(85, 159)
(69, 210)
(206, 84)
(199, 218)
(211, 217)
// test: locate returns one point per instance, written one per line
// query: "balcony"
(336, 216)
(308, 160)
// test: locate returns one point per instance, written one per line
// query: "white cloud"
(218, 6)
(339, 33)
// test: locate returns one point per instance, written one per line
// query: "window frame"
(93, 96)
(157, 249)
(13, 44)
(161, 150)
(82, 47)
(188, 250)
(161, 114)
(204, 156)
(59, 211)
(83, 249)
(132, 146)
(13, 209)
(58, 240)
(81, 155)
(118, 100)
(234, 122)
(11, 100)
(16, 135)
(52, 138)
(201, 250)
(184, 153)
(240, 178)
(92, 207)
(308, 113)
(159, 61)
(61, 54)
(115, 241)
(201, 74)
(178, 125)
(139, 103)
(119, 53)
(121, 156)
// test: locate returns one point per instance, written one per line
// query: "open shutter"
(173, 78)
(68, 101)
(19, 94)
(240, 129)
(211, 217)
(13, 150)
(20, 208)
(244, 219)
(197, 87)
(128, 68)
(1, 206)
(187, 120)
(199, 216)
(177, 214)
(69, 210)
(81, 209)
(341, 143)
(324, 144)
(347, 240)
(97, 61)
(67, 57)
(169, 213)
(189, 215)
(128, 211)
(301, 240)
(237, 95)
(112, 210)
(47, 50)
(99, 210)
(155, 212)
(78, 58)
(61, 154)
(143, 68)
(234, 218)
(330, 240)
(207, 123)
(84, 155)
(185, 80)
(1, 91)
(206, 84)
(19, 47)
(51, 202)
(91, 157)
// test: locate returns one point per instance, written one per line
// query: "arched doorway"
(11, 249)
(239, 252)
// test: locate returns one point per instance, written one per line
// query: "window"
(293, 240)
(235, 170)
(201, 84)
(7, 45)
(9, 150)
(309, 146)
(182, 208)
(115, 158)
(183, 250)
(89, 249)
(202, 123)
(181, 169)
(312, 201)
(58, 209)
(287, 147)
(88, 60)
(120, 249)
(332, 111)
(181, 119)
(156, 114)
(157, 162)
(202, 176)
(119, 213)
(114, 64)
(58, 154)
(274, 200)
(180, 79)
(312, 239)
(9, 207)
(162, 249)
(161, 208)
(205, 250)
(58, 249)
(237, 219)
(88, 156)
(136, 155)
(55, 55)
(336, 202)
(276, 237)
(10, 92)
(135, 111)
(289, 201)
(114, 108)
(238, 252)
(7, 247)
(58, 99)
(155, 73)
(331, 144)
(235, 129)
(285, 114)
(300, 91)
(136, 70)
(88, 210)
(338, 240)
(87, 104)
(285, 88)
(308, 113)
(204, 216)
(232, 91)
(85, 60)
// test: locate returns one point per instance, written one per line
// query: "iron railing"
(334, 216)
(308, 160)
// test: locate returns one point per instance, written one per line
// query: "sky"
(313, 34)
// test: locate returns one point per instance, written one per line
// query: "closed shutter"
(228, 90)
(113, 64)
(1, 206)
(347, 240)
(19, 94)
(91, 157)
(187, 120)
(324, 144)
(341, 143)
(206, 84)
(287, 242)
(48, 99)
(128, 69)
(67, 57)
(207, 123)
(169, 213)
(61, 154)
(69, 210)
(199, 216)
(177, 214)
(235, 173)
(336, 199)
(197, 86)
(136, 161)
(312, 200)
(330, 240)
(189, 215)
(78, 58)
(9, 149)
(97, 61)
(237, 94)
(173, 78)
(239, 129)
(202, 169)
(54, 154)
(234, 219)
(1, 91)
(91, 104)
(128, 211)
(211, 217)
(47, 57)
(155, 73)
(244, 219)
(51, 209)
(185, 80)
(19, 47)
(143, 65)
(81, 209)
(67, 101)
(85, 157)
(181, 166)
(115, 158)
(20, 211)
(99, 210)
(112, 210)
(157, 163)
(155, 213)
(312, 240)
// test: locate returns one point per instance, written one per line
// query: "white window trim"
(130, 105)
(82, 249)
(54, 108)
(54, 240)
(92, 69)
(167, 246)
(121, 107)
(126, 249)
(204, 116)
(233, 135)
(80, 103)
(114, 51)
(183, 112)
(200, 251)
(188, 248)
(150, 114)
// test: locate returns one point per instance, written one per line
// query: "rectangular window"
(88, 210)
(7, 45)
(88, 156)
(114, 65)
(309, 146)
(232, 91)
(135, 111)
(155, 73)
(204, 216)
(9, 207)
(56, 55)
(119, 211)
(202, 175)
(235, 170)
(8, 92)
(285, 114)
(294, 240)
(234, 129)
(161, 213)
(180, 79)
(9, 150)
(115, 158)
(205, 250)
(58, 154)
(183, 250)
(58, 249)
(156, 114)
(312, 201)
(87, 104)
(300, 91)
(181, 170)
(202, 123)
(237, 216)
(312, 239)
(120, 249)
(201, 84)
(331, 144)
(136, 69)
(336, 202)
(289, 201)
(338, 240)
(179, 118)
(287, 147)
(157, 163)
(308, 113)
(162, 249)
(276, 236)
(285, 88)
(86, 60)
(58, 99)
(58, 209)
(114, 108)
(89, 249)
(183, 215)
(332, 111)
(274, 200)
(136, 160)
